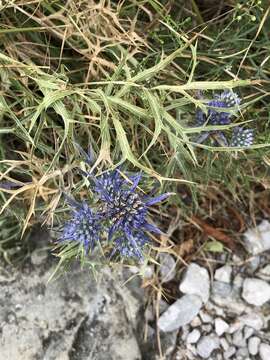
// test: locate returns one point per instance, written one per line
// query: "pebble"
(207, 328)
(253, 320)
(242, 353)
(167, 267)
(253, 345)
(230, 352)
(221, 326)
(206, 318)
(180, 313)
(238, 339)
(207, 345)
(196, 322)
(224, 274)
(237, 325)
(193, 337)
(224, 343)
(264, 351)
(39, 256)
(257, 239)
(248, 332)
(196, 282)
(256, 291)
(264, 273)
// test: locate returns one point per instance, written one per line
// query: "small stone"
(224, 343)
(238, 281)
(207, 345)
(257, 239)
(238, 339)
(193, 337)
(237, 325)
(196, 282)
(196, 322)
(207, 328)
(167, 267)
(242, 353)
(248, 332)
(229, 353)
(253, 345)
(224, 274)
(253, 320)
(264, 351)
(39, 256)
(256, 291)
(264, 273)
(180, 313)
(206, 318)
(185, 332)
(220, 288)
(221, 326)
(253, 264)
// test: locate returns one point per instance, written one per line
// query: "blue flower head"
(84, 226)
(127, 211)
(242, 137)
(227, 99)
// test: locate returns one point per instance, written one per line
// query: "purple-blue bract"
(227, 99)
(84, 226)
(122, 212)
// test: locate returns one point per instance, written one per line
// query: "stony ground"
(222, 311)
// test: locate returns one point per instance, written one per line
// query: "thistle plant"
(119, 218)
(217, 115)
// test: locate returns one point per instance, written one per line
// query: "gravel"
(167, 267)
(221, 326)
(224, 274)
(180, 313)
(257, 239)
(256, 291)
(264, 351)
(253, 345)
(207, 345)
(196, 282)
(193, 337)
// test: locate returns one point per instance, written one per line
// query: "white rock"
(229, 353)
(253, 345)
(207, 345)
(235, 326)
(253, 320)
(248, 332)
(257, 239)
(224, 274)
(242, 353)
(180, 313)
(206, 318)
(193, 337)
(264, 351)
(224, 343)
(196, 282)
(167, 267)
(264, 273)
(221, 326)
(256, 291)
(196, 322)
(238, 339)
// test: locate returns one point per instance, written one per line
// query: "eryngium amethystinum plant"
(118, 219)
(218, 114)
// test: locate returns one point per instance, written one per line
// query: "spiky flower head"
(131, 247)
(227, 99)
(126, 210)
(242, 137)
(83, 227)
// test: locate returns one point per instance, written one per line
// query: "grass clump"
(125, 79)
